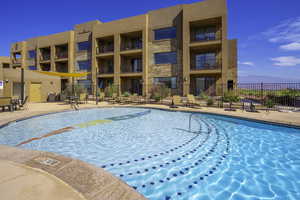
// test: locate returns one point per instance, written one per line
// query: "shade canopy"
(61, 74)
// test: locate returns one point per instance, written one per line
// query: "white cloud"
(291, 47)
(247, 63)
(286, 31)
(286, 61)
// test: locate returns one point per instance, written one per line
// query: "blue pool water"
(164, 156)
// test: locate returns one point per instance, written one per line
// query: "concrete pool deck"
(30, 172)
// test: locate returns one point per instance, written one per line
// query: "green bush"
(159, 91)
(269, 103)
(230, 97)
(126, 94)
(210, 102)
(203, 96)
(110, 90)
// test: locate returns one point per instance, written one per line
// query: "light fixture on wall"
(6, 81)
(185, 79)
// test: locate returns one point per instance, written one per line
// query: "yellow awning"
(64, 74)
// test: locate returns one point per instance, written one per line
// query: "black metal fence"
(282, 94)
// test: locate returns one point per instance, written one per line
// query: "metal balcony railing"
(137, 44)
(105, 49)
(132, 68)
(106, 70)
(211, 64)
(60, 55)
(205, 37)
(45, 57)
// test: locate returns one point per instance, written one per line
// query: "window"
(17, 89)
(87, 84)
(32, 67)
(5, 65)
(31, 54)
(165, 33)
(170, 82)
(165, 58)
(136, 65)
(207, 33)
(83, 46)
(84, 65)
(205, 60)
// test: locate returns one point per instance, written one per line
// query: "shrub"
(159, 91)
(203, 96)
(126, 94)
(230, 97)
(210, 102)
(269, 103)
(110, 90)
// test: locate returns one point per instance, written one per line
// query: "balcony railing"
(45, 57)
(61, 55)
(106, 70)
(105, 49)
(138, 44)
(62, 69)
(208, 65)
(205, 37)
(132, 68)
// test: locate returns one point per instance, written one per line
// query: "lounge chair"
(191, 101)
(6, 102)
(250, 108)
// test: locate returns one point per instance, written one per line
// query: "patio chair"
(176, 101)
(250, 108)
(191, 101)
(6, 102)
(23, 104)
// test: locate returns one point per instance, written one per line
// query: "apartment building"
(184, 46)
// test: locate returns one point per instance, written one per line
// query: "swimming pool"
(172, 155)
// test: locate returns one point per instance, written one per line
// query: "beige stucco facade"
(123, 52)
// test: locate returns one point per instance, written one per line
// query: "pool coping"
(150, 106)
(74, 168)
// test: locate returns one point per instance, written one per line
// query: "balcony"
(208, 64)
(205, 37)
(131, 64)
(131, 41)
(61, 51)
(206, 30)
(61, 67)
(105, 45)
(45, 67)
(106, 65)
(45, 57)
(105, 49)
(45, 54)
(106, 70)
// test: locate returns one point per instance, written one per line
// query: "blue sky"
(268, 31)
